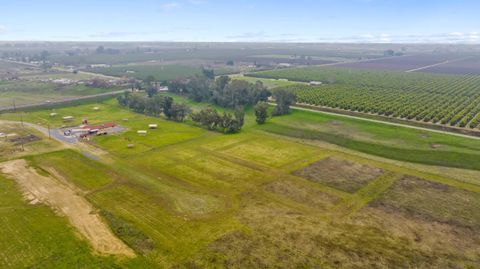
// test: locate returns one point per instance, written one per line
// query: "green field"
(32, 92)
(442, 99)
(160, 72)
(305, 190)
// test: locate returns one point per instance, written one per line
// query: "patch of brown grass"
(432, 201)
(302, 194)
(341, 174)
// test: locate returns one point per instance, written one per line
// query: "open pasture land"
(14, 135)
(430, 98)
(184, 197)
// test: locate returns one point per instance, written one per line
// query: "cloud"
(197, 2)
(119, 34)
(3, 29)
(169, 6)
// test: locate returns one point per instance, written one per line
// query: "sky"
(357, 21)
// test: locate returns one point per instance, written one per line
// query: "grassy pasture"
(185, 197)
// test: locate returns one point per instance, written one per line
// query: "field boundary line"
(365, 195)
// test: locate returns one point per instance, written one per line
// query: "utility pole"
(49, 136)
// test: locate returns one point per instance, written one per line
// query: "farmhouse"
(85, 130)
(99, 65)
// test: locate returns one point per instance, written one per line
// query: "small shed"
(96, 108)
(53, 114)
(67, 118)
(315, 83)
(130, 146)
(153, 126)
(142, 132)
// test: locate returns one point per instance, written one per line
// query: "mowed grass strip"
(270, 152)
(80, 170)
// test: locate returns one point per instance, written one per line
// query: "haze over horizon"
(349, 21)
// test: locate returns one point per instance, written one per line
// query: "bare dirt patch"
(65, 200)
(302, 194)
(341, 174)
(430, 201)
(25, 139)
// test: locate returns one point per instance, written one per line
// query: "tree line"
(222, 91)
(158, 105)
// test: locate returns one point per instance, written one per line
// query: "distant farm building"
(99, 65)
(142, 132)
(67, 118)
(315, 83)
(153, 126)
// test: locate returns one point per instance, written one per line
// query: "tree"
(100, 50)
(151, 91)
(198, 88)
(207, 117)
(208, 73)
(284, 99)
(149, 80)
(167, 107)
(261, 112)
(179, 112)
(240, 115)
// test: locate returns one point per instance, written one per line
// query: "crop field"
(160, 72)
(31, 92)
(269, 83)
(468, 66)
(437, 99)
(402, 63)
(266, 197)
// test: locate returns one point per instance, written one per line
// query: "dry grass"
(341, 174)
(303, 194)
(432, 201)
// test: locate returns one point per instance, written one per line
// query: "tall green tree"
(284, 99)
(261, 112)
